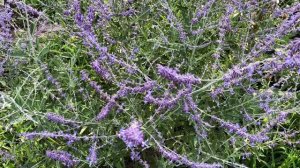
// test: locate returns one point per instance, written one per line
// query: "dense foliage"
(167, 83)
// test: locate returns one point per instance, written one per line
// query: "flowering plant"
(199, 84)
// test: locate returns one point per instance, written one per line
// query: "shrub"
(151, 83)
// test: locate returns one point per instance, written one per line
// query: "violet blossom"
(85, 77)
(25, 8)
(92, 157)
(5, 27)
(6, 156)
(103, 72)
(133, 136)
(60, 119)
(45, 134)
(123, 92)
(174, 76)
(62, 156)
(53, 81)
(175, 23)
(174, 157)
(166, 102)
(202, 12)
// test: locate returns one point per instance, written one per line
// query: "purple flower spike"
(123, 92)
(173, 75)
(149, 85)
(133, 135)
(64, 157)
(60, 119)
(5, 27)
(202, 12)
(92, 158)
(166, 102)
(25, 8)
(69, 137)
(94, 85)
(6, 156)
(106, 109)
(128, 12)
(175, 157)
(101, 70)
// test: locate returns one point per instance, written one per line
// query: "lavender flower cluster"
(133, 135)
(60, 119)
(173, 75)
(6, 36)
(71, 138)
(27, 9)
(62, 156)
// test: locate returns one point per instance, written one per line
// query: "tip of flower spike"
(100, 117)
(133, 136)
(60, 119)
(92, 157)
(62, 156)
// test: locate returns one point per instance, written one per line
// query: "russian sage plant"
(209, 83)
